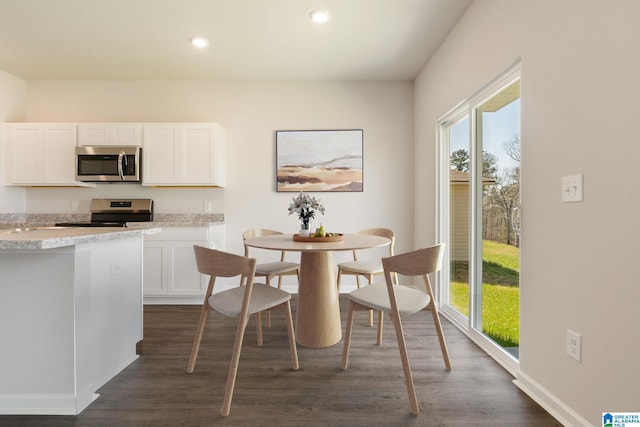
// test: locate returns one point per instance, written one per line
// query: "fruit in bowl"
(326, 235)
(321, 232)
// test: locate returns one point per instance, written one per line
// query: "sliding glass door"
(479, 216)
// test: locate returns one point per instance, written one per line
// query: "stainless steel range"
(116, 213)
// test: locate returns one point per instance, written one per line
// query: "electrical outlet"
(574, 345)
(572, 188)
(207, 206)
(74, 206)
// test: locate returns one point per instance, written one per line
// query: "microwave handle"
(122, 164)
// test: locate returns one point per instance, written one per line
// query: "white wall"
(13, 93)
(251, 112)
(580, 264)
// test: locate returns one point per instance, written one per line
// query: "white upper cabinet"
(40, 154)
(129, 134)
(173, 154)
(183, 154)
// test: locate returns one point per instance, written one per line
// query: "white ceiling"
(250, 39)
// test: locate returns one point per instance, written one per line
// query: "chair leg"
(380, 318)
(292, 337)
(233, 366)
(413, 400)
(268, 280)
(259, 328)
(443, 343)
(347, 337)
(196, 341)
(370, 279)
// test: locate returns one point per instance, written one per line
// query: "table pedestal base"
(318, 313)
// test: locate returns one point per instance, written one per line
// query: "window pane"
(459, 197)
(498, 125)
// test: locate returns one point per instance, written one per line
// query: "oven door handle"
(122, 164)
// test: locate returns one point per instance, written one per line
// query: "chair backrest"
(259, 232)
(217, 263)
(415, 263)
(420, 262)
(381, 232)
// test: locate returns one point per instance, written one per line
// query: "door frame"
(467, 108)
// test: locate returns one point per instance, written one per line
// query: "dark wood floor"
(156, 390)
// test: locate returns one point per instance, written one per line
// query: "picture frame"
(320, 160)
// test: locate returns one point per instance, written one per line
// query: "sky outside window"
(499, 127)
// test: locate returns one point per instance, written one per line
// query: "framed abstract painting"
(319, 160)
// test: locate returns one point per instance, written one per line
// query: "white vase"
(305, 228)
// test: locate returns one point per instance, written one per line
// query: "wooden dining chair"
(242, 301)
(367, 268)
(271, 269)
(400, 300)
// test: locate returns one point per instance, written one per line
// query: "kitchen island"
(70, 314)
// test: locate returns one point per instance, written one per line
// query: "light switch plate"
(572, 188)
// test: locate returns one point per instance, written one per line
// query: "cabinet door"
(59, 154)
(160, 145)
(128, 134)
(23, 153)
(155, 275)
(184, 276)
(197, 155)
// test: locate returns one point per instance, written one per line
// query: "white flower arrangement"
(305, 206)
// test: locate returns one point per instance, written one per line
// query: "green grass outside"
(500, 292)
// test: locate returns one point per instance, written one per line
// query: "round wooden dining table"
(318, 310)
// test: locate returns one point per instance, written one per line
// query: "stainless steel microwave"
(108, 164)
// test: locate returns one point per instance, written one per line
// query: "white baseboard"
(172, 300)
(556, 407)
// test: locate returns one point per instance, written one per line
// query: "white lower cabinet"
(170, 272)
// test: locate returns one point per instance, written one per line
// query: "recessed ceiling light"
(199, 42)
(319, 16)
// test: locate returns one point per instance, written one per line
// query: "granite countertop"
(57, 237)
(181, 220)
(159, 220)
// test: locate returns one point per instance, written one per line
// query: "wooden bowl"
(299, 238)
